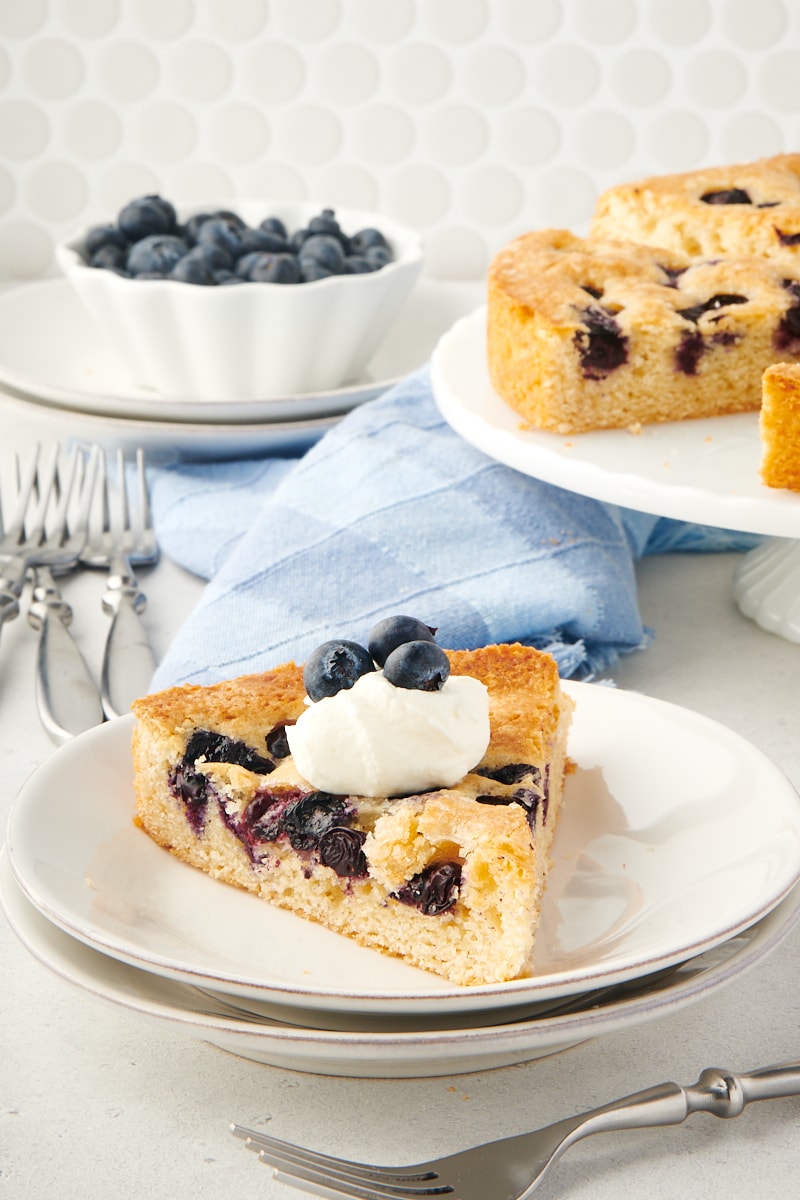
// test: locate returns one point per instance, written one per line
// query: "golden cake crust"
(669, 210)
(779, 426)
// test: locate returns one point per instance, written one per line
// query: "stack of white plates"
(56, 366)
(676, 865)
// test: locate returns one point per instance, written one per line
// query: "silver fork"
(512, 1168)
(27, 542)
(67, 697)
(120, 538)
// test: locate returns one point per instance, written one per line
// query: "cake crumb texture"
(779, 426)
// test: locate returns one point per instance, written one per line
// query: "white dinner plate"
(163, 441)
(676, 833)
(51, 352)
(353, 1051)
(705, 471)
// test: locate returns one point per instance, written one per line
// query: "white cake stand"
(704, 471)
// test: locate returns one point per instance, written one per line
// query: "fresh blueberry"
(360, 242)
(377, 256)
(222, 232)
(335, 666)
(226, 214)
(326, 223)
(421, 666)
(104, 235)
(262, 241)
(213, 256)
(357, 264)
(298, 238)
(274, 268)
(224, 277)
(146, 216)
(311, 271)
(159, 252)
(392, 632)
(192, 226)
(323, 250)
(193, 268)
(274, 225)
(110, 258)
(243, 264)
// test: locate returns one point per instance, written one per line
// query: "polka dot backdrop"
(470, 119)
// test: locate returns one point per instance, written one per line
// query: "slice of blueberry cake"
(399, 794)
(729, 211)
(586, 334)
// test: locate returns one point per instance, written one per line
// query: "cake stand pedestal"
(766, 587)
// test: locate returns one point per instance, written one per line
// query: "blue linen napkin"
(392, 512)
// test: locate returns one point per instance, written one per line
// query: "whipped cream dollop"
(375, 739)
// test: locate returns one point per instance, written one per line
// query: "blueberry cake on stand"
(425, 828)
(587, 334)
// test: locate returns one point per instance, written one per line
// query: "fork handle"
(12, 582)
(9, 606)
(128, 658)
(719, 1092)
(67, 697)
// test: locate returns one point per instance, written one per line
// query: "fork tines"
(362, 1181)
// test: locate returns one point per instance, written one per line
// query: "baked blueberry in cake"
(590, 334)
(727, 211)
(410, 806)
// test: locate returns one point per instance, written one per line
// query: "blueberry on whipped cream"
(408, 728)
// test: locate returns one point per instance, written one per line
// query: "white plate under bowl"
(51, 350)
(350, 1051)
(676, 834)
(163, 441)
(705, 471)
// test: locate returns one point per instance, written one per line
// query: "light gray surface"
(96, 1101)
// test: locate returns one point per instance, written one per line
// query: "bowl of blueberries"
(267, 300)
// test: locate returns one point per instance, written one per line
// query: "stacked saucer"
(676, 865)
(57, 368)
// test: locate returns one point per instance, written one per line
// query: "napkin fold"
(393, 512)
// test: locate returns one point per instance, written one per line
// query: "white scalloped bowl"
(254, 340)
